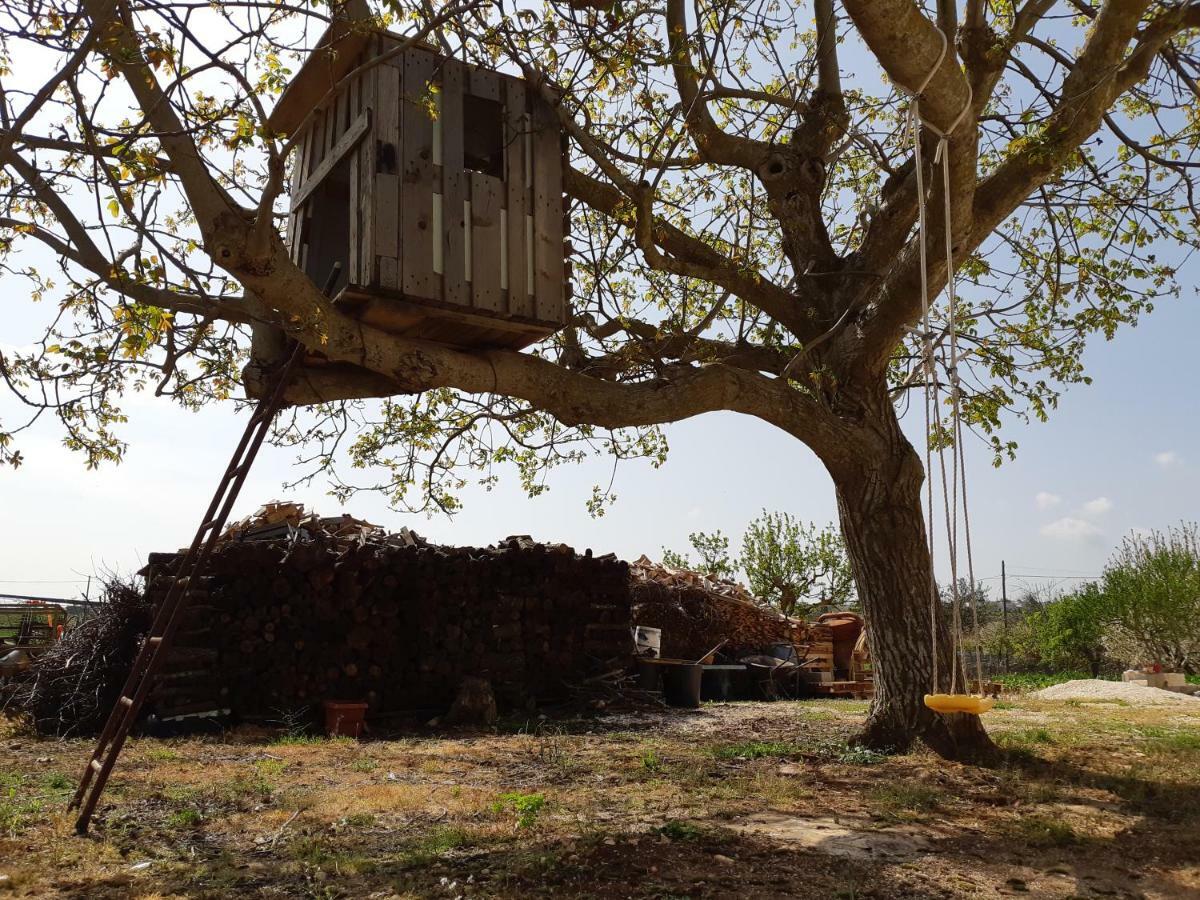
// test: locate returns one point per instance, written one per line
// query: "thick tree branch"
(714, 144)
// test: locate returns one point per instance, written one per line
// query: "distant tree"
(712, 550)
(1152, 587)
(790, 563)
(1070, 630)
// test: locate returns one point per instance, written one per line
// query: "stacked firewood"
(285, 623)
(696, 612)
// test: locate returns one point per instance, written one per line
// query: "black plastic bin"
(724, 683)
(681, 684)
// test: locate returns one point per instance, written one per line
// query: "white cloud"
(1097, 507)
(1167, 458)
(1069, 528)
(1047, 500)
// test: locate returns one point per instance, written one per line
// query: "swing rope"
(933, 401)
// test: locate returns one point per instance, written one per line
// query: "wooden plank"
(453, 237)
(520, 303)
(469, 329)
(484, 83)
(365, 190)
(547, 214)
(353, 275)
(386, 199)
(416, 228)
(486, 200)
(345, 143)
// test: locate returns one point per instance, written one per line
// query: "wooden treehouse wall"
(439, 187)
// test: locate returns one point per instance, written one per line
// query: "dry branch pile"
(72, 686)
(307, 615)
(696, 612)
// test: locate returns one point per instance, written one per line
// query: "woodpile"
(696, 612)
(336, 610)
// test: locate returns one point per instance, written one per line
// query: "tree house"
(436, 184)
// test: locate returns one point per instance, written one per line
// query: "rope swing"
(954, 476)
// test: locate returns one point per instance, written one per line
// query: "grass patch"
(905, 799)
(438, 842)
(17, 811)
(269, 768)
(1169, 740)
(853, 755)
(304, 739)
(756, 750)
(58, 782)
(185, 818)
(1024, 737)
(1040, 831)
(163, 754)
(316, 853)
(680, 831)
(364, 764)
(651, 761)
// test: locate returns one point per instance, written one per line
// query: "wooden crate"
(436, 184)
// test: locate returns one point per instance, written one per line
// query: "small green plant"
(185, 818)
(359, 820)
(163, 754)
(527, 807)
(269, 767)
(364, 764)
(679, 831)
(57, 781)
(651, 761)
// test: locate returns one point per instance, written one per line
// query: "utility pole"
(1004, 610)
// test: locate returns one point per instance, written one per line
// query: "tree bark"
(879, 482)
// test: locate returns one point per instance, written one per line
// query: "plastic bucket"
(647, 641)
(344, 719)
(681, 684)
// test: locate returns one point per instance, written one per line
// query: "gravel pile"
(1096, 689)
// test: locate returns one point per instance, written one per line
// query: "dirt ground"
(740, 800)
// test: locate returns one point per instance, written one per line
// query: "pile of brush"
(72, 686)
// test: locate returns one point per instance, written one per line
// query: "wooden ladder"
(154, 650)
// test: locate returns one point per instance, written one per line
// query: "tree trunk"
(879, 482)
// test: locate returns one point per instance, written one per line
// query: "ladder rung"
(209, 524)
(96, 765)
(154, 639)
(126, 701)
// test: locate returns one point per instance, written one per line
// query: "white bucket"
(647, 641)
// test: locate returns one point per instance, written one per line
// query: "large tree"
(744, 231)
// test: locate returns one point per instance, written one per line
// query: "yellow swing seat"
(958, 703)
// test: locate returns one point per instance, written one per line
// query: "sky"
(1120, 455)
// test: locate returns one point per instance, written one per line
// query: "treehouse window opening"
(483, 138)
(328, 241)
